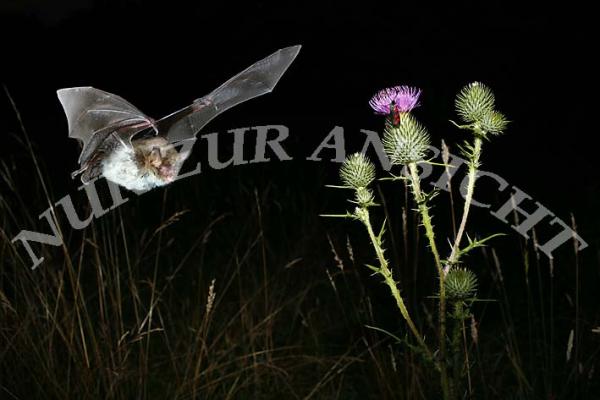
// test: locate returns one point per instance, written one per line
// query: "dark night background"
(160, 56)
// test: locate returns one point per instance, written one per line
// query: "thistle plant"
(406, 142)
(475, 105)
(357, 173)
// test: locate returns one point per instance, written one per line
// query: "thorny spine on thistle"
(406, 142)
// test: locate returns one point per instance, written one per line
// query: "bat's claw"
(78, 172)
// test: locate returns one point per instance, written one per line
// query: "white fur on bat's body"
(148, 163)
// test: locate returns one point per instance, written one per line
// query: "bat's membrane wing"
(258, 79)
(93, 115)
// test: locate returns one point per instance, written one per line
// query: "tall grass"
(130, 310)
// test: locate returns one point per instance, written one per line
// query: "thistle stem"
(384, 270)
(426, 219)
(472, 176)
(456, 344)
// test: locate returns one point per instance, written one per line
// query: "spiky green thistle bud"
(460, 283)
(474, 101)
(493, 122)
(364, 197)
(357, 171)
(406, 142)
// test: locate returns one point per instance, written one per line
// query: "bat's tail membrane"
(258, 79)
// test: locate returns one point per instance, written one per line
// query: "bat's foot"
(74, 174)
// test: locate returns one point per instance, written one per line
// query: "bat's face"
(149, 163)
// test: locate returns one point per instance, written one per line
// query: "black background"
(160, 56)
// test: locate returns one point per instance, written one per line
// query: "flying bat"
(139, 153)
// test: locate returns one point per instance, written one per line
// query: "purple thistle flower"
(407, 98)
(398, 98)
(383, 100)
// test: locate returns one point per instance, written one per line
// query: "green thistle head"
(364, 197)
(406, 142)
(493, 122)
(475, 106)
(460, 283)
(357, 171)
(474, 101)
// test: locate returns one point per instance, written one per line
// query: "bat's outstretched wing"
(260, 78)
(93, 115)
